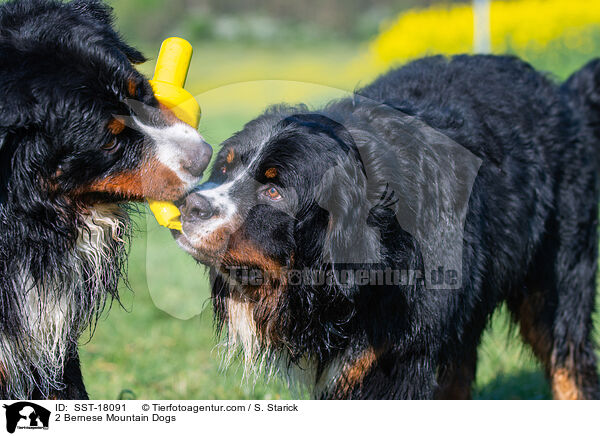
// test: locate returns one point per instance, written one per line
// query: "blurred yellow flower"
(515, 26)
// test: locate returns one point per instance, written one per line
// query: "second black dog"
(361, 249)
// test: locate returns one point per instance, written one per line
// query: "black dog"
(361, 249)
(80, 134)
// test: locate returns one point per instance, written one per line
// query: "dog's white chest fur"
(50, 314)
(243, 337)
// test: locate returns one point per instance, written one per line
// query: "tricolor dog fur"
(81, 134)
(477, 164)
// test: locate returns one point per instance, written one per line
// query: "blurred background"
(248, 54)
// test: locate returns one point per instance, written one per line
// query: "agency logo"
(26, 415)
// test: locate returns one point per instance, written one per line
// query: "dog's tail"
(582, 90)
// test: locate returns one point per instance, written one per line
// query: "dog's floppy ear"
(343, 193)
(320, 124)
(101, 13)
(341, 190)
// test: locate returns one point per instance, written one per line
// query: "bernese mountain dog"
(81, 134)
(361, 249)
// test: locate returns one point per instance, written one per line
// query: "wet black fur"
(530, 235)
(63, 74)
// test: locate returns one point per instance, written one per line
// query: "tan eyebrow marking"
(230, 156)
(116, 126)
(271, 173)
(131, 87)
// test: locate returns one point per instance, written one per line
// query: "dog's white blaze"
(220, 199)
(48, 319)
(171, 142)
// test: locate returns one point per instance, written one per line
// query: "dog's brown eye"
(111, 146)
(223, 169)
(272, 193)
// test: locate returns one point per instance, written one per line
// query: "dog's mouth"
(185, 244)
(209, 256)
(228, 251)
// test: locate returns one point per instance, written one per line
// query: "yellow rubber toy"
(169, 78)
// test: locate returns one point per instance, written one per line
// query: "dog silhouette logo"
(26, 415)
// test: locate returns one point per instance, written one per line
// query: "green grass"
(161, 344)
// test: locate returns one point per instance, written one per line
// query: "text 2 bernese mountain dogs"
(80, 134)
(361, 249)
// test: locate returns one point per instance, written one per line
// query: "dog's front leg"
(73, 380)
(73, 387)
(385, 376)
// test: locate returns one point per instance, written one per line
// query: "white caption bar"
(369, 418)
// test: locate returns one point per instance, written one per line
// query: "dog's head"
(286, 195)
(275, 195)
(78, 123)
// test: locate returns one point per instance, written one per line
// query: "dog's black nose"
(196, 208)
(197, 159)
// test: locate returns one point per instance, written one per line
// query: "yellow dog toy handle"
(169, 78)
